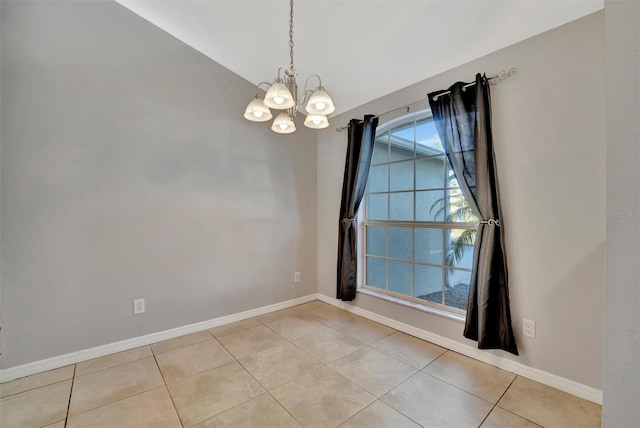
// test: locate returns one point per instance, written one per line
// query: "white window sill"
(413, 305)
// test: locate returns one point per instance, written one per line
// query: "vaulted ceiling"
(362, 49)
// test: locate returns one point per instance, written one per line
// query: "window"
(418, 229)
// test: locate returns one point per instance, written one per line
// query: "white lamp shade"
(316, 121)
(283, 124)
(256, 111)
(279, 97)
(320, 103)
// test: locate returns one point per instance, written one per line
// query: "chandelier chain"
(291, 33)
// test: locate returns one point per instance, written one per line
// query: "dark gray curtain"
(356, 170)
(463, 120)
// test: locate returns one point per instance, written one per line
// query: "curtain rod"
(492, 79)
(406, 107)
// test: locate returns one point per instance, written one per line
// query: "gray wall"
(622, 321)
(129, 172)
(549, 131)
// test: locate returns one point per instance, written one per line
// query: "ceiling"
(362, 49)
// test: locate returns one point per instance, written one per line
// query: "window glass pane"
(457, 292)
(381, 149)
(410, 180)
(401, 206)
(377, 272)
(459, 244)
(400, 277)
(400, 243)
(377, 206)
(401, 140)
(452, 181)
(458, 210)
(402, 176)
(427, 138)
(377, 240)
(428, 245)
(428, 283)
(378, 180)
(430, 205)
(430, 173)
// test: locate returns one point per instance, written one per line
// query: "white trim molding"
(558, 382)
(124, 345)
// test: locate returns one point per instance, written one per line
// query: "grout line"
(117, 365)
(168, 392)
(184, 346)
(457, 387)
(518, 415)
(285, 409)
(73, 381)
(507, 388)
(498, 400)
(36, 387)
(266, 391)
(122, 399)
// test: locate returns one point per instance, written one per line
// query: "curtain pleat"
(356, 170)
(463, 121)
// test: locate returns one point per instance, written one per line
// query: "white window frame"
(363, 223)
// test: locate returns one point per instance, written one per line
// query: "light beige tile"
(59, 424)
(548, 406)
(192, 359)
(151, 409)
(485, 381)
(322, 398)
(432, 402)
(374, 371)
(379, 415)
(180, 342)
(250, 341)
(116, 383)
(408, 349)
(206, 394)
(272, 316)
(279, 365)
(310, 306)
(295, 325)
(36, 407)
(112, 360)
(234, 326)
(328, 344)
(330, 315)
(36, 381)
(364, 330)
(500, 418)
(262, 411)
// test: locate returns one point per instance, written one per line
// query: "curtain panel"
(463, 120)
(362, 134)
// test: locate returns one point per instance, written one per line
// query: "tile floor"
(312, 365)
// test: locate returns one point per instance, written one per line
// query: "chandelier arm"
(260, 84)
(306, 82)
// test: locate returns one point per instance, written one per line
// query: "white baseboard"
(563, 384)
(124, 345)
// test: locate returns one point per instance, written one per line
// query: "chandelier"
(283, 95)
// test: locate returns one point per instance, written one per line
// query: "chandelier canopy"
(283, 95)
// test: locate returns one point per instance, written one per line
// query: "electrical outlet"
(138, 306)
(529, 328)
(296, 277)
